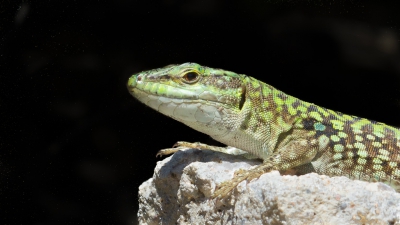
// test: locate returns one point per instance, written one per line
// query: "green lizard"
(288, 134)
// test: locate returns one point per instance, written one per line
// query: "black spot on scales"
(295, 104)
(330, 117)
(308, 124)
(389, 134)
(312, 108)
(282, 96)
(384, 163)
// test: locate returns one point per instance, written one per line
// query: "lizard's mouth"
(138, 83)
(154, 100)
(140, 88)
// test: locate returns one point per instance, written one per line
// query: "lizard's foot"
(227, 186)
(200, 146)
(183, 145)
(169, 151)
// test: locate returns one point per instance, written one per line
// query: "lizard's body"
(286, 133)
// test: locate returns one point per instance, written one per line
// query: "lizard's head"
(190, 93)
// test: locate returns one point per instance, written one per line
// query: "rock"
(180, 190)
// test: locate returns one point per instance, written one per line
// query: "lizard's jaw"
(202, 115)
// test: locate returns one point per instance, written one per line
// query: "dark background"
(75, 146)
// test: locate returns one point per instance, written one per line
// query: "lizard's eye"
(191, 77)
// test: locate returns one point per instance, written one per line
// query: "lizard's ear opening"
(242, 97)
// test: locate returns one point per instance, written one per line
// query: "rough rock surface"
(179, 193)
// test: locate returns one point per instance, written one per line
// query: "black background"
(75, 145)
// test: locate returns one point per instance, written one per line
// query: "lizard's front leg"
(295, 153)
(182, 145)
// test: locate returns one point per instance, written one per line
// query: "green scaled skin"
(288, 134)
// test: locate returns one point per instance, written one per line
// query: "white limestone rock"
(179, 193)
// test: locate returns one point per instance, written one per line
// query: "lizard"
(257, 120)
